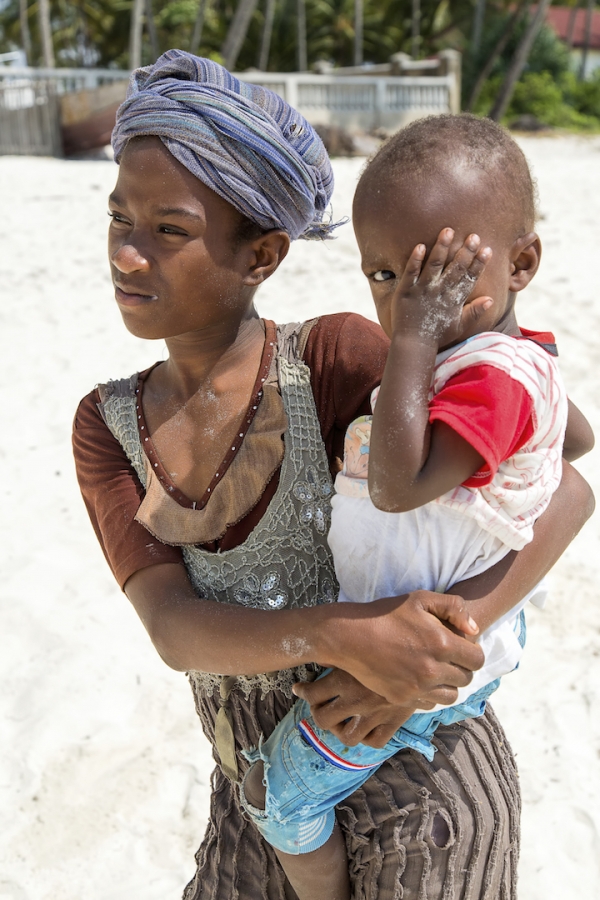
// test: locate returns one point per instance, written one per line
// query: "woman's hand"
(404, 648)
(341, 704)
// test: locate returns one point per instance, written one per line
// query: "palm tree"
(265, 42)
(25, 33)
(571, 25)
(519, 62)
(237, 32)
(135, 34)
(358, 32)
(503, 40)
(46, 34)
(477, 27)
(151, 26)
(416, 28)
(302, 54)
(198, 25)
(587, 37)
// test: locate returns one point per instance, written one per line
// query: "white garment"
(468, 530)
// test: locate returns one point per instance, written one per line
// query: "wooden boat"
(87, 117)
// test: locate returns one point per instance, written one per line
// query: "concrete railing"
(354, 102)
(359, 102)
(65, 81)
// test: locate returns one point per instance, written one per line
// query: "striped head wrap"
(241, 140)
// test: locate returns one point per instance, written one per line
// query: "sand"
(104, 772)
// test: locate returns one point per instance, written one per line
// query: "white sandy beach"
(104, 771)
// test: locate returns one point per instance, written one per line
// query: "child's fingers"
(438, 257)
(473, 311)
(468, 264)
(412, 269)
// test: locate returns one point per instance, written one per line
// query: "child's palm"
(430, 300)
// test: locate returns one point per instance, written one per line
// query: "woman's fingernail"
(473, 242)
(473, 624)
(487, 304)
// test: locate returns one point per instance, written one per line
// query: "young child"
(461, 456)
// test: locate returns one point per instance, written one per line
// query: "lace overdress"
(468, 795)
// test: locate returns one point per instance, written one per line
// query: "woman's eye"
(116, 217)
(383, 275)
(170, 229)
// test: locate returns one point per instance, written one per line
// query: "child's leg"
(321, 873)
(299, 775)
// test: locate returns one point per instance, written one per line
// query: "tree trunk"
(198, 26)
(151, 26)
(302, 53)
(519, 62)
(416, 29)
(358, 32)
(587, 38)
(496, 52)
(135, 34)
(237, 32)
(46, 34)
(477, 27)
(571, 25)
(265, 43)
(25, 33)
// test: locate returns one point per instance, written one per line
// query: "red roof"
(559, 19)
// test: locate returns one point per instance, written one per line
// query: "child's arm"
(579, 437)
(412, 462)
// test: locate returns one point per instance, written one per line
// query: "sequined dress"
(416, 830)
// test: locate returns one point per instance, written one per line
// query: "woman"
(208, 479)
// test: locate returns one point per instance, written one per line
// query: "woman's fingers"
(453, 609)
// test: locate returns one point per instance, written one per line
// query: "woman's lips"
(130, 298)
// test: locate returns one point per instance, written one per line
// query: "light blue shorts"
(308, 771)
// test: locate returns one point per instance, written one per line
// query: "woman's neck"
(216, 354)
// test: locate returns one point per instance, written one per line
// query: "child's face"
(389, 221)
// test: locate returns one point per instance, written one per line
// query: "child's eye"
(382, 275)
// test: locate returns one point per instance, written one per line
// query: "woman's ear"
(267, 252)
(524, 261)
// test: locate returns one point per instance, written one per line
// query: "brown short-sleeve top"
(345, 354)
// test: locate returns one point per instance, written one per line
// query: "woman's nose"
(127, 259)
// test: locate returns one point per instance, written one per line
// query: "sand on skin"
(104, 775)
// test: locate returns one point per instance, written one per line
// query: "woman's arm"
(496, 591)
(579, 437)
(356, 715)
(398, 647)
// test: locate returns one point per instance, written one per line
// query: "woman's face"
(175, 262)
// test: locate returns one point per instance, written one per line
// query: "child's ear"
(524, 261)
(265, 254)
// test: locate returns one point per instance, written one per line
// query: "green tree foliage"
(96, 32)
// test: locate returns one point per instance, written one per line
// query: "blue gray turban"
(241, 140)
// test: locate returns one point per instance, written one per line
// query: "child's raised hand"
(430, 300)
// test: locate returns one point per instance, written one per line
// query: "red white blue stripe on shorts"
(323, 750)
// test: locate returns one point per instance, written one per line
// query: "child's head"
(461, 172)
